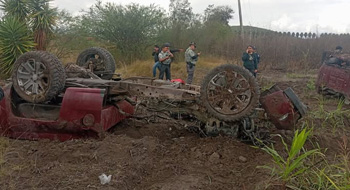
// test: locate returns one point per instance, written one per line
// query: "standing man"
(165, 59)
(257, 56)
(249, 60)
(191, 59)
(156, 60)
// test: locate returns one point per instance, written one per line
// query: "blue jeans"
(155, 67)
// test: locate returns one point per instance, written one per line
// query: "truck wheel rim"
(33, 77)
(229, 92)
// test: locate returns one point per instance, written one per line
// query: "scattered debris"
(104, 179)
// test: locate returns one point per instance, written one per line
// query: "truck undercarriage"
(46, 100)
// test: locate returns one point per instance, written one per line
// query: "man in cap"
(165, 59)
(157, 64)
(191, 59)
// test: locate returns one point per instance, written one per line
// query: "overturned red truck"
(334, 75)
(46, 100)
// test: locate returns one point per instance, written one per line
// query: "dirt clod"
(242, 159)
(214, 158)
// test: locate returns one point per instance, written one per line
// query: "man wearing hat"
(191, 59)
(155, 54)
(165, 59)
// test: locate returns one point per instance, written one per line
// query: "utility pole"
(240, 17)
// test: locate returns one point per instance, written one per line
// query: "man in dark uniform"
(156, 61)
(250, 60)
(257, 56)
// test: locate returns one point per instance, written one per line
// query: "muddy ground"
(141, 155)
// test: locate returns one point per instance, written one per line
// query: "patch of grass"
(339, 176)
(4, 144)
(295, 75)
(289, 167)
(334, 118)
(311, 85)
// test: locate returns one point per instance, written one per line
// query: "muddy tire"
(38, 76)
(230, 92)
(106, 61)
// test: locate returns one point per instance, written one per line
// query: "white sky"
(280, 15)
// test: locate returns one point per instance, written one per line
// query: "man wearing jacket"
(250, 60)
(191, 59)
(156, 60)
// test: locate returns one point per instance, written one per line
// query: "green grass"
(288, 167)
(330, 118)
(295, 75)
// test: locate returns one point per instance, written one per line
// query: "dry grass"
(4, 144)
(178, 69)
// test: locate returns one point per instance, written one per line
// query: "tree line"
(130, 31)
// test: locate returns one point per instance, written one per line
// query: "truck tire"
(38, 76)
(107, 63)
(229, 92)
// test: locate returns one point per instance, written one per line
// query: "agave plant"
(15, 39)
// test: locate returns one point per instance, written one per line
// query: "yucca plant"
(291, 166)
(37, 14)
(43, 19)
(15, 39)
(16, 8)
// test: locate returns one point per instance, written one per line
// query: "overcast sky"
(280, 15)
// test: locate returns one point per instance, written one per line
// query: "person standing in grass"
(250, 61)
(257, 56)
(191, 59)
(156, 65)
(165, 59)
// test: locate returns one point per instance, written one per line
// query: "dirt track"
(142, 156)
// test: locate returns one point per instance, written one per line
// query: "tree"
(132, 28)
(181, 13)
(220, 14)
